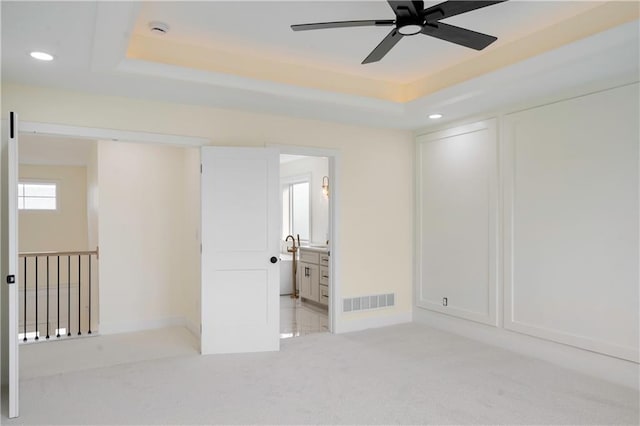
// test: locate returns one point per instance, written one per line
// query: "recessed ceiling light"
(435, 116)
(42, 56)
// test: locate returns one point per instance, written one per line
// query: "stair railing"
(45, 309)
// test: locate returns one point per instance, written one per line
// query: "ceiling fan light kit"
(412, 19)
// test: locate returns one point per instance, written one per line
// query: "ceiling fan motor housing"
(411, 18)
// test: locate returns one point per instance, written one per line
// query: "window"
(295, 210)
(37, 196)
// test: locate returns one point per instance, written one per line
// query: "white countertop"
(323, 249)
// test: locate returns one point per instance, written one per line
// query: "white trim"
(193, 329)
(109, 134)
(322, 98)
(489, 317)
(115, 327)
(335, 166)
(10, 301)
(508, 174)
(594, 364)
(358, 324)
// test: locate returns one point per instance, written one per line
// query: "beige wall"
(376, 174)
(64, 229)
(92, 197)
(140, 234)
(191, 238)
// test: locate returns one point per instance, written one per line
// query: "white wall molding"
(581, 316)
(616, 370)
(576, 227)
(448, 151)
(356, 324)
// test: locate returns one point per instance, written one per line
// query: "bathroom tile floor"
(298, 318)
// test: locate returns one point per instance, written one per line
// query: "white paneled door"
(240, 250)
(10, 267)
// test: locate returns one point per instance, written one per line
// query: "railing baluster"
(36, 293)
(47, 297)
(59, 277)
(69, 295)
(89, 294)
(58, 329)
(25, 301)
(79, 298)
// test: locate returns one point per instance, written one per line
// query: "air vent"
(364, 303)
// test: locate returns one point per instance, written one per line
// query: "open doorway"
(58, 241)
(137, 202)
(305, 245)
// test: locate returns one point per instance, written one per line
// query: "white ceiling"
(89, 40)
(262, 28)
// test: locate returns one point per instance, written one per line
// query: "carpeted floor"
(408, 374)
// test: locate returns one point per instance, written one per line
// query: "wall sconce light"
(325, 186)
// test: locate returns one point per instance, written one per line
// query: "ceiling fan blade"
(343, 24)
(457, 35)
(384, 47)
(406, 8)
(448, 9)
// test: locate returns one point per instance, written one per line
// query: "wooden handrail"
(60, 253)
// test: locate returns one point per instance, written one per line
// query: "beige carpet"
(408, 374)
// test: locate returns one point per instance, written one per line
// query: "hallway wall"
(64, 229)
(140, 235)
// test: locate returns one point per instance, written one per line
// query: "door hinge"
(201, 168)
(200, 248)
(11, 279)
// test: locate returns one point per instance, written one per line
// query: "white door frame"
(334, 223)
(10, 366)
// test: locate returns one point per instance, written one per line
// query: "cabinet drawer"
(309, 257)
(324, 275)
(324, 294)
(324, 259)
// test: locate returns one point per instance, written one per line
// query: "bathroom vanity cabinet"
(313, 274)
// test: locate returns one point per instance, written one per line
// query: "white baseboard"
(141, 325)
(345, 325)
(193, 328)
(604, 367)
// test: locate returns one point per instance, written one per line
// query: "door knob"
(273, 259)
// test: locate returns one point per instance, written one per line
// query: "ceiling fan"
(412, 19)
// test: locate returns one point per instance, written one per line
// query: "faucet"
(293, 248)
(294, 268)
